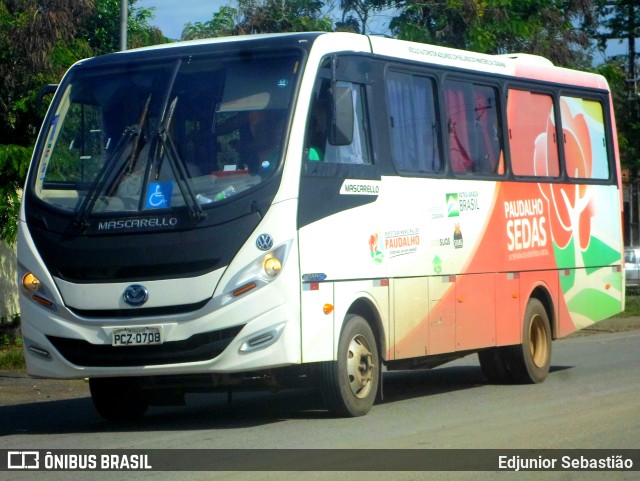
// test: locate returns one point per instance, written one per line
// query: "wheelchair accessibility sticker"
(159, 195)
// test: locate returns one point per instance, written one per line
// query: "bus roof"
(514, 65)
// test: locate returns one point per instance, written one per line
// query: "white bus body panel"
(268, 308)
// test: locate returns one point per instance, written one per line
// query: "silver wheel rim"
(360, 367)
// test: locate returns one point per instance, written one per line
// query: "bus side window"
(317, 146)
(532, 134)
(488, 130)
(585, 146)
(414, 129)
(458, 128)
(473, 125)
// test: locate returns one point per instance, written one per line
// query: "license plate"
(137, 336)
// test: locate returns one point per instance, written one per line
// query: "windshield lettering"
(144, 223)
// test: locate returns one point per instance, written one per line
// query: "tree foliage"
(357, 13)
(222, 24)
(39, 40)
(551, 28)
(620, 20)
(262, 16)
(101, 30)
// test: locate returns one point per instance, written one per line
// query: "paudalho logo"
(457, 237)
(453, 206)
(374, 247)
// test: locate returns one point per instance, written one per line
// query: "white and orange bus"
(269, 210)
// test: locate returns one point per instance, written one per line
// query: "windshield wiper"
(104, 174)
(130, 133)
(135, 151)
(167, 148)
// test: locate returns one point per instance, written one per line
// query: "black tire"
(494, 366)
(350, 384)
(528, 363)
(118, 399)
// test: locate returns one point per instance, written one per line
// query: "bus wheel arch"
(542, 294)
(364, 308)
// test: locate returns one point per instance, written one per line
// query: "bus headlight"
(259, 273)
(272, 266)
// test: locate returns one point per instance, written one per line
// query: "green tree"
(620, 20)
(222, 24)
(39, 40)
(552, 28)
(262, 16)
(275, 16)
(626, 103)
(101, 30)
(356, 14)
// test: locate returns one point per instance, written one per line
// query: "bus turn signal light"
(244, 289)
(30, 282)
(327, 308)
(44, 301)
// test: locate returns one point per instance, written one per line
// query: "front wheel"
(350, 384)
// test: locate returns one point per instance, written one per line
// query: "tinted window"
(473, 125)
(413, 121)
(585, 146)
(317, 145)
(532, 134)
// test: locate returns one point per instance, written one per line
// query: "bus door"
(338, 186)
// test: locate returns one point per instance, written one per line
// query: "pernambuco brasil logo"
(453, 207)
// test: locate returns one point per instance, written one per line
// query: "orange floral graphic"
(571, 207)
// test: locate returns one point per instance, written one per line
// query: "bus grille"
(199, 347)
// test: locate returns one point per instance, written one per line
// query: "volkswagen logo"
(264, 242)
(135, 295)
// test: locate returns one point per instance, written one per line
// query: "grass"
(632, 304)
(11, 358)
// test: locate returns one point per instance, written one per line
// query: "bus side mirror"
(341, 131)
(48, 89)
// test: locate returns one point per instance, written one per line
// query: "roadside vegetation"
(11, 357)
(632, 307)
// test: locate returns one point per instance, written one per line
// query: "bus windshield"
(187, 132)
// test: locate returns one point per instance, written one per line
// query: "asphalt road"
(591, 399)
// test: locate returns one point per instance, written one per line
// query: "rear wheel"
(494, 365)
(527, 363)
(350, 384)
(118, 399)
